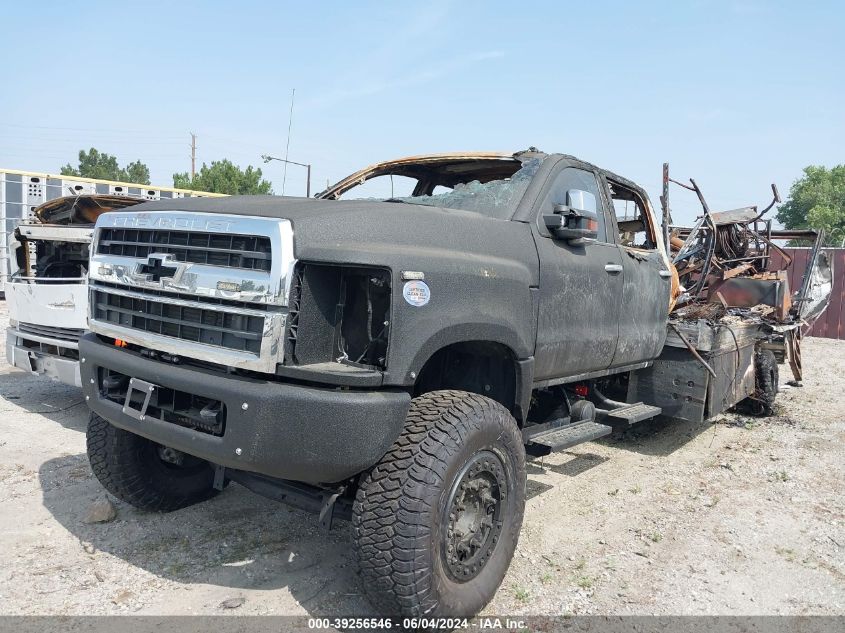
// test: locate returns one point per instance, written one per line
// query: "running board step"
(626, 416)
(561, 438)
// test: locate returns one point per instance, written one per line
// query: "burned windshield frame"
(496, 198)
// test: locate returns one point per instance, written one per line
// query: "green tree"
(93, 164)
(817, 200)
(222, 176)
(137, 172)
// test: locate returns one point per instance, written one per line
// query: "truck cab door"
(580, 283)
(646, 275)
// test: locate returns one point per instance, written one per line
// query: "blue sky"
(737, 94)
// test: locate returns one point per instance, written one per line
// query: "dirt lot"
(739, 516)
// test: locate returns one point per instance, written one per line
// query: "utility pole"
(193, 155)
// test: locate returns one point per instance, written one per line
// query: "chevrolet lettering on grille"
(173, 223)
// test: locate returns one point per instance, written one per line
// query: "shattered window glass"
(497, 198)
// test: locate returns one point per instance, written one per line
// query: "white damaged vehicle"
(47, 292)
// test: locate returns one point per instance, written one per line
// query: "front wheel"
(436, 521)
(137, 471)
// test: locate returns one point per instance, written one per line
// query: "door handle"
(665, 273)
(613, 268)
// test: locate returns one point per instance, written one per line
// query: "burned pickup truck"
(392, 359)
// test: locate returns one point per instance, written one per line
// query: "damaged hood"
(82, 209)
(375, 232)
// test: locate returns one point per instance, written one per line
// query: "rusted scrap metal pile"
(727, 274)
(725, 266)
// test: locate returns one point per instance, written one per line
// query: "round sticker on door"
(416, 293)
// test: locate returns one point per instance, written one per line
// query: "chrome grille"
(249, 252)
(209, 325)
(210, 287)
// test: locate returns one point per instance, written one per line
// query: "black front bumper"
(288, 431)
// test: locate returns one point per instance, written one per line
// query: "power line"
(12, 154)
(86, 141)
(76, 129)
(98, 138)
(228, 141)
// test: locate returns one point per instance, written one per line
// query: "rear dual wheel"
(436, 521)
(762, 403)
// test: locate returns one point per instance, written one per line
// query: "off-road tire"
(129, 467)
(765, 385)
(400, 521)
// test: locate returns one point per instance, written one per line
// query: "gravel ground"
(734, 516)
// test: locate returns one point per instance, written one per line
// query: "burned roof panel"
(446, 169)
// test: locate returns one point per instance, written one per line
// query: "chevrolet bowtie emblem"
(155, 268)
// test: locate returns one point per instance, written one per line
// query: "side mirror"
(576, 221)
